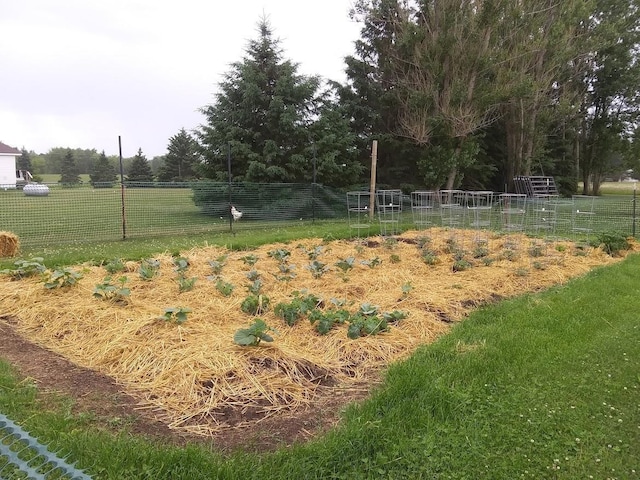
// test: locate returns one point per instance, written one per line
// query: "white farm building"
(8, 157)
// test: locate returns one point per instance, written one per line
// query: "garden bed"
(192, 376)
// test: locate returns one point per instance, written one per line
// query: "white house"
(8, 156)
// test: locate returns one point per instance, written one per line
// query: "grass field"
(543, 386)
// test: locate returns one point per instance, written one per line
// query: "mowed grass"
(72, 216)
(542, 386)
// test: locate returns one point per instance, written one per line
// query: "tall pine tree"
(103, 173)
(69, 171)
(181, 157)
(265, 114)
(140, 170)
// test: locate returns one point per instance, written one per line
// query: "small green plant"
(406, 288)
(487, 261)
(225, 288)
(366, 322)
(521, 272)
(65, 277)
(253, 275)
(612, 242)
(451, 245)
(114, 266)
(394, 317)
(255, 287)
(176, 314)
(317, 268)
(186, 284)
(149, 268)
(108, 291)
(25, 268)
(287, 272)
(423, 241)
(508, 254)
(430, 257)
(255, 304)
(257, 332)
(312, 253)
(480, 250)
(298, 307)
(249, 260)
(538, 265)
(373, 263)
(181, 264)
(281, 255)
(394, 258)
(536, 250)
(325, 321)
(390, 243)
(461, 265)
(217, 264)
(345, 265)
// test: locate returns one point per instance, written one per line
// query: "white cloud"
(79, 73)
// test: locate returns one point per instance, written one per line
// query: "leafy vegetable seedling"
(256, 333)
(255, 304)
(25, 268)
(108, 291)
(176, 314)
(149, 268)
(65, 277)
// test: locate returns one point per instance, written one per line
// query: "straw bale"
(196, 379)
(9, 244)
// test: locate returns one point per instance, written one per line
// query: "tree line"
(458, 94)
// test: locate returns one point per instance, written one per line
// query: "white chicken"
(235, 213)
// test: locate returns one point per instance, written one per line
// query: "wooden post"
(372, 187)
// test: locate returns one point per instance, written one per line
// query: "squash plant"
(108, 291)
(256, 333)
(65, 277)
(25, 268)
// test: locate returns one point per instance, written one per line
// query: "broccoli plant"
(255, 304)
(249, 260)
(317, 268)
(225, 288)
(345, 265)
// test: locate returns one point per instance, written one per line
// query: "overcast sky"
(79, 73)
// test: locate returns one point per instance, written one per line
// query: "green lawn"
(542, 386)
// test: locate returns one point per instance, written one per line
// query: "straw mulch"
(9, 244)
(196, 379)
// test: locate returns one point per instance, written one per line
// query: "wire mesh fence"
(24, 457)
(60, 214)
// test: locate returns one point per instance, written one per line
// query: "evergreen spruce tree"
(265, 114)
(180, 159)
(69, 171)
(103, 173)
(140, 170)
